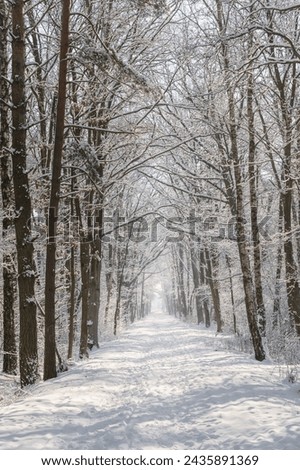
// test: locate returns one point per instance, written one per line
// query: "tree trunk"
(261, 312)
(109, 280)
(291, 269)
(197, 284)
(247, 274)
(120, 273)
(287, 102)
(250, 300)
(24, 245)
(72, 301)
(94, 299)
(292, 283)
(70, 265)
(181, 286)
(173, 293)
(84, 267)
(243, 251)
(279, 263)
(202, 271)
(49, 350)
(142, 310)
(211, 276)
(40, 90)
(228, 262)
(85, 276)
(8, 270)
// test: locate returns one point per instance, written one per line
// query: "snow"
(163, 384)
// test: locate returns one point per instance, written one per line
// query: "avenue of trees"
(147, 143)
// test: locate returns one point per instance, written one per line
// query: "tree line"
(141, 140)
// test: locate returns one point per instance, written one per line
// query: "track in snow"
(161, 385)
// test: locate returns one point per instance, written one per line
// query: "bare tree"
(50, 359)
(24, 242)
(8, 270)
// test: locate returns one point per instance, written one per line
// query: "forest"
(148, 148)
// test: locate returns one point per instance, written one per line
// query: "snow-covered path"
(161, 385)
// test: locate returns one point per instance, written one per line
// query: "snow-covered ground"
(162, 385)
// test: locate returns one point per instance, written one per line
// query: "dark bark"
(292, 282)
(94, 299)
(121, 258)
(279, 264)
(24, 246)
(85, 277)
(245, 262)
(261, 312)
(197, 284)
(70, 265)
(8, 270)
(180, 282)
(291, 269)
(109, 280)
(72, 301)
(49, 350)
(228, 262)
(287, 93)
(95, 236)
(203, 282)
(211, 263)
(250, 300)
(39, 90)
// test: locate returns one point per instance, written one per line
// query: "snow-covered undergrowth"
(162, 384)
